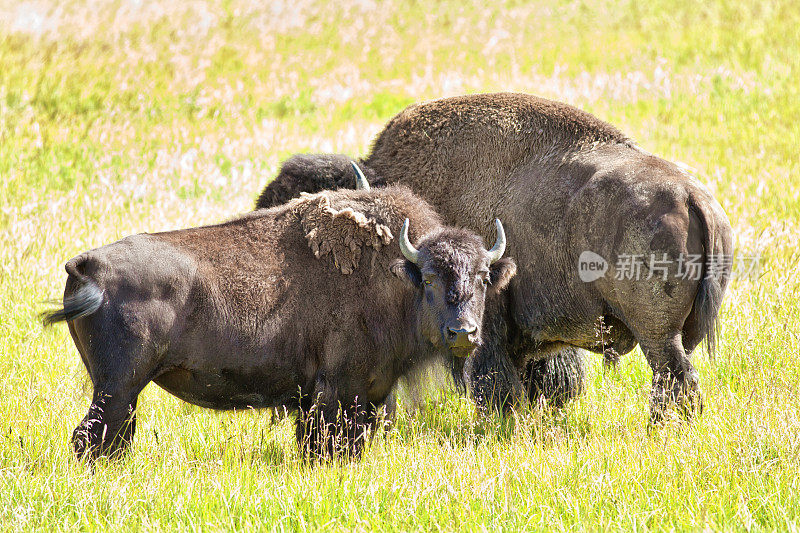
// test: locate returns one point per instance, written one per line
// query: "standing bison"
(306, 305)
(574, 192)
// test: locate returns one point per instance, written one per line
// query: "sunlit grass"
(122, 117)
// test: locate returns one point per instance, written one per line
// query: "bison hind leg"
(676, 383)
(120, 368)
(108, 427)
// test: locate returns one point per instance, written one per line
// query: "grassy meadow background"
(118, 117)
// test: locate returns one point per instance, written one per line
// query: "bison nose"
(462, 335)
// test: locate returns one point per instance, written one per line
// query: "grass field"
(121, 117)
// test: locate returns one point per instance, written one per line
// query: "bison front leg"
(334, 426)
(492, 378)
(557, 378)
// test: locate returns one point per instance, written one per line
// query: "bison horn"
(409, 252)
(500, 244)
(361, 180)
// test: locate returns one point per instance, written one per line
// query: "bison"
(313, 304)
(576, 194)
(557, 378)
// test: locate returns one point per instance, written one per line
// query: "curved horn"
(361, 180)
(409, 252)
(500, 244)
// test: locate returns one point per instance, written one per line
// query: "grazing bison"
(308, 305)
(603, 233)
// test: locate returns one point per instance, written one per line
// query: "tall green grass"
(122, 117)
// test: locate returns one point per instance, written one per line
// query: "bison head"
(454, 273)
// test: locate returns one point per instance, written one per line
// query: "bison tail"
(701, 324)
(706, 307)
(82, 296)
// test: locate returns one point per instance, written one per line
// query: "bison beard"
(564, 182)
(308, 305)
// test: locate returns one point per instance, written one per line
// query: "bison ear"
(500, 274)
(407, 271)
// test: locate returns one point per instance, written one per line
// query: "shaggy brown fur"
(343, 234)
(565, 182)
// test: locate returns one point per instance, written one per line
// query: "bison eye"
(428, 282)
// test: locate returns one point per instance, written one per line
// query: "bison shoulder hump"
(343, 234)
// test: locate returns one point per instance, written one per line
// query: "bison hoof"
(682, 394)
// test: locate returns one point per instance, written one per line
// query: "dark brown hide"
(308, 305)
